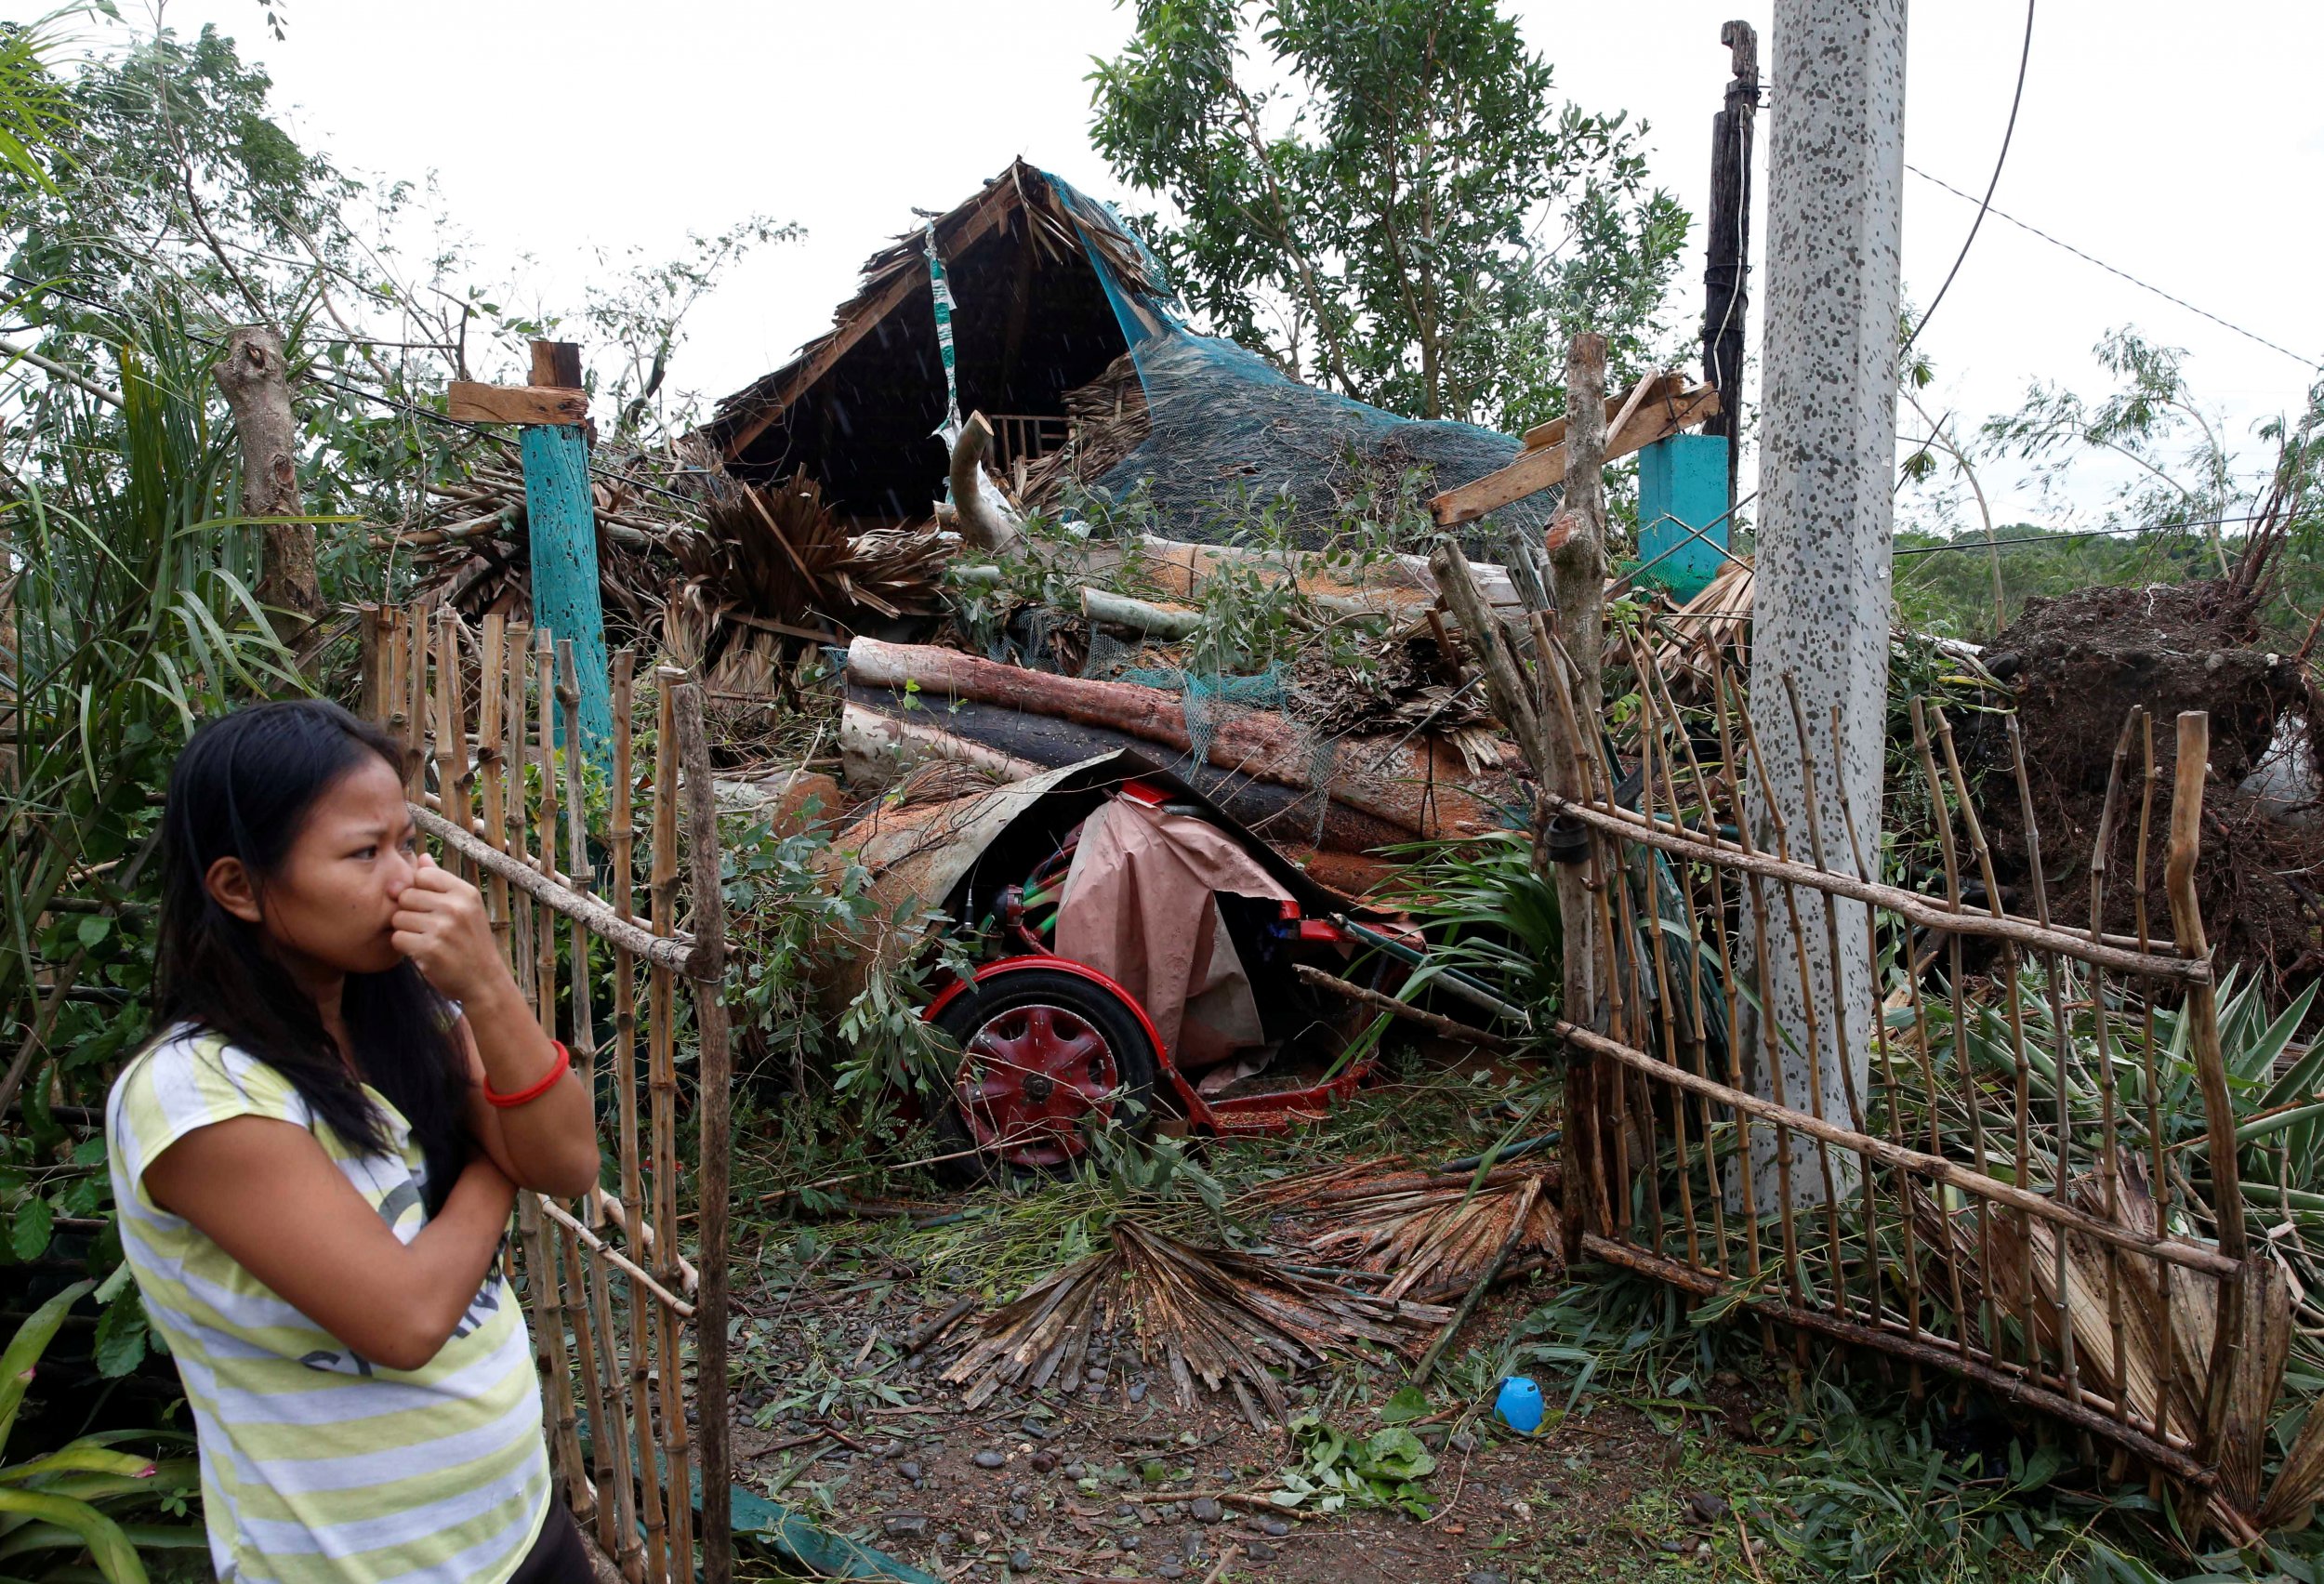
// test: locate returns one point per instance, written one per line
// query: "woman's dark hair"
(243, 788)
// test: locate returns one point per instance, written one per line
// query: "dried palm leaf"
(1227, 1319)
(1424, 1229)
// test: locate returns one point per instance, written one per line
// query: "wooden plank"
(473, 403)
(557, 365)
(1666, 385)
(1540, 469)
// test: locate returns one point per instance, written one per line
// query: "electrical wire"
(2300, 358)
(2127, 535)
(2017, 97)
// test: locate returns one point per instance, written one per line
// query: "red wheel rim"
(1027, 1078)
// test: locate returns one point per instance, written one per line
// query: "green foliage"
(73, 1499)
(1335, 1472)
(2180, 511)
(1488, 914)
(1411, 217)
(1847, 1476)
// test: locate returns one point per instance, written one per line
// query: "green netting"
(1229, 432)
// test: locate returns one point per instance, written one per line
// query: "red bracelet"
(508, 1101)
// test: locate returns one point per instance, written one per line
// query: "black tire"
(1008, 1008)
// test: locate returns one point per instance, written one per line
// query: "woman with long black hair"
(315, 1160)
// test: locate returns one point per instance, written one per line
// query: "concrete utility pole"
(1727, 236)
(1827, 457)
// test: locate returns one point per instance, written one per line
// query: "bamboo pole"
(610, 1485)
(706, 966)
(643, 1331)
(516, 840)
(1909, 905)
(2194, 1257)
(545, 722)
(662, 1094)
(582, 1014)
(369, 702)
(2110, 1146)
(2210, 1076)
(600, 1250)
(452, 774)
(491, 768)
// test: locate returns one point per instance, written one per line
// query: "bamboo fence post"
(2021, 1093)
(544, 723)
(415, 691)
(452, 780)
(706, 967)
(607, 1482)
(2210, 1076)
(2109, 1144)
(492, 756)
(661, 1087)
(581, 1015)
(621, 844)
(368, 704)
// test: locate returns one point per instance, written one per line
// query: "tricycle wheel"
(1044, 1053)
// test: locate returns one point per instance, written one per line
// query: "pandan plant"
(65, 1503)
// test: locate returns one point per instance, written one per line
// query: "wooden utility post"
(1827, 463)
(256, 381)
(561, 513)
(1726, 274)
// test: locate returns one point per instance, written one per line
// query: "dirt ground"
(1123, 1484)
(1119, 1482)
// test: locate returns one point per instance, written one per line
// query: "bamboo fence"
(616, 1310)
(2007, 1197)
(1997, 1202)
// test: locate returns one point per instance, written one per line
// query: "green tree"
(1390, 199)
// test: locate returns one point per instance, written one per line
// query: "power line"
(2301, 358)
(2017, 97)
(1967, 543)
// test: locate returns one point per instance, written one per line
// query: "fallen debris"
(1226, 1318)
(1424, 1230)
(1422, 786)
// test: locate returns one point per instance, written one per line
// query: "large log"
(1396, 585)
(1416, 783)
(1017, 744)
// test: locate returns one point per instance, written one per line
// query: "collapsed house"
(1035, 305)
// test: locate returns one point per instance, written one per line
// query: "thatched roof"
(1050, 291)
(858, 406)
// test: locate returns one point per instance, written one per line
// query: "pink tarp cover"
(1141, 907)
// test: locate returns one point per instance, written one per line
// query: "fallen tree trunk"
(1416, 783)
(997, 738)
(1397, 586)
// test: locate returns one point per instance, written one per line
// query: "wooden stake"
(706, 966)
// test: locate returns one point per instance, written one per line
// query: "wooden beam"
(473, 403)
(1543, 467)
(1666, 385)
(990, 211)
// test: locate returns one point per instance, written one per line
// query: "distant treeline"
(1945, 586)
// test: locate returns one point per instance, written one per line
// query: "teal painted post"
(565, 596)
(1682, 512)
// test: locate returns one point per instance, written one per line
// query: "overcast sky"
(2173, 143)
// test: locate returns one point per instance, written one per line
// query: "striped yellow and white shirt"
(316, 1463)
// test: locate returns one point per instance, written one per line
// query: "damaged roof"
(1050, 291)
